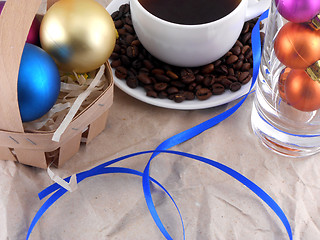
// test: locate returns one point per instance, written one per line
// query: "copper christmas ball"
(297, 45)
(282, 79)
(79, 34)
(301, 91)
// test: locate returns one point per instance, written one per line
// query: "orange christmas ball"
(301, 91)
(297, 45)
(282, 79)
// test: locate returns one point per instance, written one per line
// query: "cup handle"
(256, 7)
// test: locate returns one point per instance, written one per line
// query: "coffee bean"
(220, 78)
(122, 31)
(224, 69)
(207, 68)
(124, 8)
(179, 97)
(235, 86)
(208, 80)
(129, 39)
(241, 57)
(246, 67)
(236, 50)
(187, 76)
(192, 86)
(121, 72)
(203, 94)
(246, 37)
(157, 71)
(136, 64)
(230, 71)
(132, 72)
(172, 75)
(128, 28)
(118, 24)
(199, 78)
(148, 64)
(232, 59)
(172, 90)
(226, 83)
(162, 95)
(178, 84)
(116, 63)
(232, 78)
(248, 54)
(144, 78)
(148, 88)
(115, 15)
(160, 86)
(125, 60)
(262, 36)
(152, 94)
(245, 49)
(171, 97)
(133, 63)
(162, 78)
(228, 54)
(128, 20)
(243, 76)
(246, 28)
(238, 65)
(238, 43)
(135, 42)
(114, 56)
(217, 89)
(144, 71)
(117, 48)
(189, 95)
(245, 81)
(217, 63)
(132, 82)
(132, 51)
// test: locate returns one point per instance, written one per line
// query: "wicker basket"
(37, 149)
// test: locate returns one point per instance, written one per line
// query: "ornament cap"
(314, 71)
(315, 22)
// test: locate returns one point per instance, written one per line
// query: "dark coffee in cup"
(190, 12)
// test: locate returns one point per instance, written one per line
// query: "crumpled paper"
(213, 205)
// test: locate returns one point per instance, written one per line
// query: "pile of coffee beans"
(134, 64)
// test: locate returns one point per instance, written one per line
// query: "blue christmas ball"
(38, 83)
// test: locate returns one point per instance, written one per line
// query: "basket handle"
(50, 3)
(15, 22)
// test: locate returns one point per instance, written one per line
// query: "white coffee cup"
(192, 45)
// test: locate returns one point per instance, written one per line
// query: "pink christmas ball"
(298, 11)
(33, 36)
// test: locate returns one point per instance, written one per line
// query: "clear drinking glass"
(280, 126)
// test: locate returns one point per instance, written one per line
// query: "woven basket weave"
(36, 148)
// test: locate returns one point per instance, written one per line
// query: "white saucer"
(140, 94)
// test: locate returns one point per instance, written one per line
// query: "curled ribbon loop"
(196, 130)
(58, 191)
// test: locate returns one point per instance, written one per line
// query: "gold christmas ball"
(79, 34)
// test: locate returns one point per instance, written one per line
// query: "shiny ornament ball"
(298, 10)
(282, 79)
(301, 91)
(297, 45)
(33, 35)
(79, 34)
(38, 83)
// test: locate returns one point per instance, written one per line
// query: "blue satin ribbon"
(105, 168)
(196, 130)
